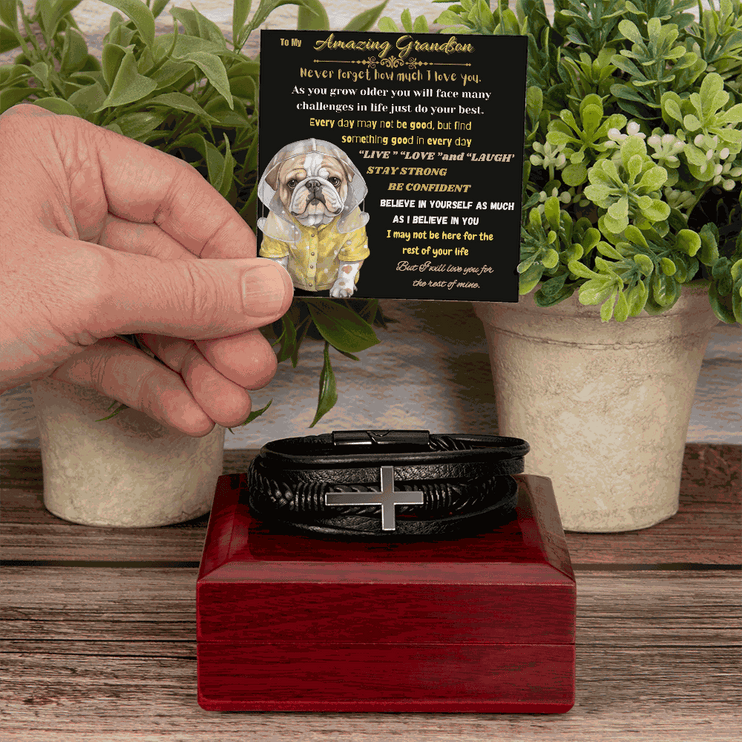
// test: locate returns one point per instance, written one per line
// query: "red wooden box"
(297, 623)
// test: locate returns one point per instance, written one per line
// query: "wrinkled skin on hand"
(101, 235)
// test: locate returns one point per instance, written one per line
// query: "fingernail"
(264, 290)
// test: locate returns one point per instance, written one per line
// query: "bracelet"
(392, 484)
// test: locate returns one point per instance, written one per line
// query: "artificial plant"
(633, 148)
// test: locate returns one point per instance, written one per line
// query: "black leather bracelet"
(386, 484)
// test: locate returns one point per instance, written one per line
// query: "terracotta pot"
(604, 405)
(128, 471)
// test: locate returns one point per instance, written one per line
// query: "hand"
(101, 235)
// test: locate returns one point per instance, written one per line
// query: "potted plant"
(631, 246)
(193, 94)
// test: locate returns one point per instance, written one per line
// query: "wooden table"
(98, 635)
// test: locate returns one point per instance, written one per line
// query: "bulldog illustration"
(315, 227)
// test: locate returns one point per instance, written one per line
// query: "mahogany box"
(482, 623)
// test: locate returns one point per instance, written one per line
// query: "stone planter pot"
(605, 406)
(128, 471)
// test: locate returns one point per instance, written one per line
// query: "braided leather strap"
(386, 484)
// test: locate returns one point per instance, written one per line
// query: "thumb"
(194, 299)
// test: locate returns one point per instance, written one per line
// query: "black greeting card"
(391, 164)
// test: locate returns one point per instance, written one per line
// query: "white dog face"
(312, 187)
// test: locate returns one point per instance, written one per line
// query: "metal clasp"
(403, 439)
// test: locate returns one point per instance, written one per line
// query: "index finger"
(145, 185)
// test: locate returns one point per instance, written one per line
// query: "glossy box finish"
(481, 623)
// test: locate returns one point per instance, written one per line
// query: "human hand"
(101, 235)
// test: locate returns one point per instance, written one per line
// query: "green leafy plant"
(632, 180)
(189, 92)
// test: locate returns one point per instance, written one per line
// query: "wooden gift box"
(481, 623)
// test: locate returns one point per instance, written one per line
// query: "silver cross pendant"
(388, 498)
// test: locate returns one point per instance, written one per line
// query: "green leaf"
(185, 44)
(9, 13)
(688, 241)
(207, 29)
(671, 106)
(534, 102)
(12, 96)
(227, 174)
(365, 20)
(112, 56)
(550, 259)
(387, 25)
(580, 270)
(592, 115)
(634, 166)
(658, 211)
(529, 279)
(328, 395)
(637, 298)
(247, 67)
(181, 102)
(57, 105)
(254, 414)
(88, 99)
(606, 310)
(265, 8)
(574, 175)
(129, 86)
(287, 339)
(551, 211)
(214, 69)
(709, 244)
(74, 52)
(229, 118)
(646, 266)
(341, 326)
(448, 18)
(215, 165)
(596, 291)
(420, 25)
(193, 141)
(140, 123)
(609, 251)
(158, 6)
(240, 11)
(691, 122)
(170, 73)
(41, 73)
(617, 215)
(597, 192)
(312, 16)
(119, 408)
(140, 14)
(243, 87)
(712, 93)
(631, 32)
(653, 179)
(668, 267)
(621, 311)
(58, 11)
(665, 289)
(720, 308)
(8, 40)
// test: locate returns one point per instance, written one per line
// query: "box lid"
(511, 585)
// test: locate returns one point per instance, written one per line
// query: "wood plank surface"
(621, 693)
(98, 626)
(639, 609)
(706, 530)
